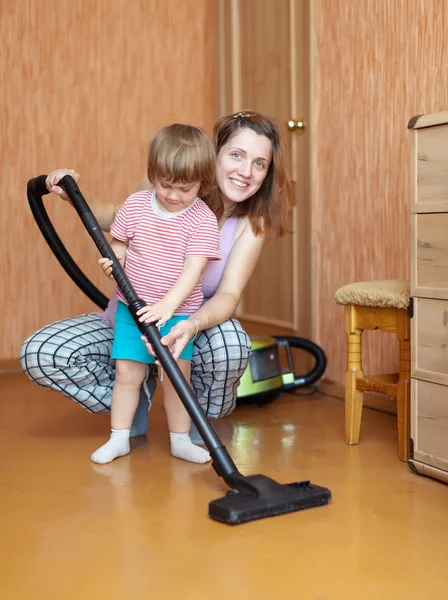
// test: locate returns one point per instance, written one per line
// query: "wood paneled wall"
(85, 85)
(376, 63)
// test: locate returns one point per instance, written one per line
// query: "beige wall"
(376, 63)
(85, 84)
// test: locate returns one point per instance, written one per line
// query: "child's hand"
(160, 312)
(107, 265)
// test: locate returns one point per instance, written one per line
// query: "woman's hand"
(55, 177)
(177, 338)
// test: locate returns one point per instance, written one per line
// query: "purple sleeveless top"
(211, 277)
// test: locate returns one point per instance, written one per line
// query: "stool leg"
(404, 386)
(353, 397)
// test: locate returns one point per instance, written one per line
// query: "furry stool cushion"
(385, 294)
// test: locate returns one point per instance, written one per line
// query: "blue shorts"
(127, 343)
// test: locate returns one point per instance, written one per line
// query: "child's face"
(174, 197)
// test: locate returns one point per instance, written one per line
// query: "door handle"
(297, 126)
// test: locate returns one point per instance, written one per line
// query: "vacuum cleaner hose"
(222, 461)
(316, 352)
(38, 189)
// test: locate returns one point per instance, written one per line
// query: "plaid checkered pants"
(73, 357)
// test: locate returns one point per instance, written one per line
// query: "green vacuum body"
(265, 379)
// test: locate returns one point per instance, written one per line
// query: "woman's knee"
(66, 349)
(226, 347)
(220, 359)
(36, 360)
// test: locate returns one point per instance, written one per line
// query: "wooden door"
(264, 55)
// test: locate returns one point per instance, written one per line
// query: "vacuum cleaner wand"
(250, 498)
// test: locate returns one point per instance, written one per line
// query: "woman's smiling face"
(242, 165)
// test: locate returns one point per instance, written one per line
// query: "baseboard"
(258, 328)
(371, 399)
(428, 470)
(9, 365)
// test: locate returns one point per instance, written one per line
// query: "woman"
(73, 355)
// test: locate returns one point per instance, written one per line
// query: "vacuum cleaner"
(250, 497)
(264, 379)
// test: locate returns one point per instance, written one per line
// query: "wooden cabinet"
(429, 290)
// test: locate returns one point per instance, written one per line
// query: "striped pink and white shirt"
(159, 242)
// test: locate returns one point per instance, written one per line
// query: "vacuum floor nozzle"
(257, 496)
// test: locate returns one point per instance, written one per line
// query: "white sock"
(183, 447)
(118, 445)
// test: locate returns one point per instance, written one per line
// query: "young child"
(164, 237)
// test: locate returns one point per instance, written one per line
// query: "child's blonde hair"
(183, 154)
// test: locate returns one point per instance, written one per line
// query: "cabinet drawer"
(429, 255)
(429, 339)
(429, 423)
(430, 158)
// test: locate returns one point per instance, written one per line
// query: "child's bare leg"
(179, 421)
(128, 379)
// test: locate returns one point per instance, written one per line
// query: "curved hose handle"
(318, 354)
(36, 188)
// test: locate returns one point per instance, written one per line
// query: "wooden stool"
(379, 305)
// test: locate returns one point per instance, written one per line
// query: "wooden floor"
(138, 528)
